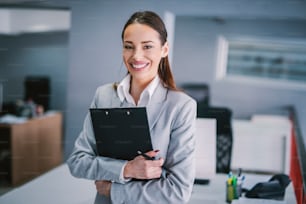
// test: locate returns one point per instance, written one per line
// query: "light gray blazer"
(171, 117)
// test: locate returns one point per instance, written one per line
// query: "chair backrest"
(223, 116)
(198, 91)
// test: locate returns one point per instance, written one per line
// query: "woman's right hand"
(140, 168)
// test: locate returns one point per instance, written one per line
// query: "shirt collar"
(124, 88)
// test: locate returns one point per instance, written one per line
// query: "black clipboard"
(121, 132)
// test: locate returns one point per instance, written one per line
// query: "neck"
(136, 88)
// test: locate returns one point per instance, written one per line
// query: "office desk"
(34, 147)
(214, 193)
(58, 186)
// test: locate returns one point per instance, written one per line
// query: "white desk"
(214, 193)
(58, 186)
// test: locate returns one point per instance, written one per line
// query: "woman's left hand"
(103, 187)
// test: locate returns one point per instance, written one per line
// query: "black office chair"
(198, 91)
(223, 116)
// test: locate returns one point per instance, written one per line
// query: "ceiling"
(16, 21)
(36, 3)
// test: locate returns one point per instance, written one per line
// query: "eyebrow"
(149, 41)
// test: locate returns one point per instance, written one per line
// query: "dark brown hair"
(151, 19)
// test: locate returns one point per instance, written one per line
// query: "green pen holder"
(230, 192)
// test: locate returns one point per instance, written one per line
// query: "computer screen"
(206, 134)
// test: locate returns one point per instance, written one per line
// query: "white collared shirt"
(123, 91)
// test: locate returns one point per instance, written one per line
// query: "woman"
(171, 115)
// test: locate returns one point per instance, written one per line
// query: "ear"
(165, 49)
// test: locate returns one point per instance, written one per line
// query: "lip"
(139, 65)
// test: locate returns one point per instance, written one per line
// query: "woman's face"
(142, 51)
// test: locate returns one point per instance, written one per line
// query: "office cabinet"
(31, 148)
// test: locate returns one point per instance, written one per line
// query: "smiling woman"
(171, 116)
(142, 53)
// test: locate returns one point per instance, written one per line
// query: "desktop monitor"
(205, 157)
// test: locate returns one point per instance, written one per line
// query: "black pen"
(145, 155)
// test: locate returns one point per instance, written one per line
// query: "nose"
(138, 53)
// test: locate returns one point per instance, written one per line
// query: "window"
(274, 61)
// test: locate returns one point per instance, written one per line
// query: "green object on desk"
(229, 192)
(233, 187)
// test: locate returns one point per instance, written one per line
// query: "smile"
(139, 66)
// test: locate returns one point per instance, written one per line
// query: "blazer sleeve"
(176, 185)
(84, 162)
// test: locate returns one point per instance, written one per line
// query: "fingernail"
(156, 150)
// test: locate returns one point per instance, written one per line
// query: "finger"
(152, 153)
(154, 173)
(138, 158)
(153, 163)
(157, 163)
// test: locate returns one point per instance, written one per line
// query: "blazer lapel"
(156, 105)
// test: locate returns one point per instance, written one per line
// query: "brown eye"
(148, 47)
(128, 47)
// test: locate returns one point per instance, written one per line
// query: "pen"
(145, 155)
(239, 172)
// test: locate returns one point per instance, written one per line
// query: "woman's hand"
(103, 187)
(140, 168)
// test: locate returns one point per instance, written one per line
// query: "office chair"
(199, 92)
(223, 116)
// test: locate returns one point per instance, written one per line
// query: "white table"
(55, 187)
(58, 186)
(214, 192)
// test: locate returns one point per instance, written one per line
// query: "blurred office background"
(88, 53)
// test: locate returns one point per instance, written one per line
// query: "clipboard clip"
(127, 112)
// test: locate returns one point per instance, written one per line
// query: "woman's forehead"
(140, 32)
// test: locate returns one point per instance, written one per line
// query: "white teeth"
(139, 66)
